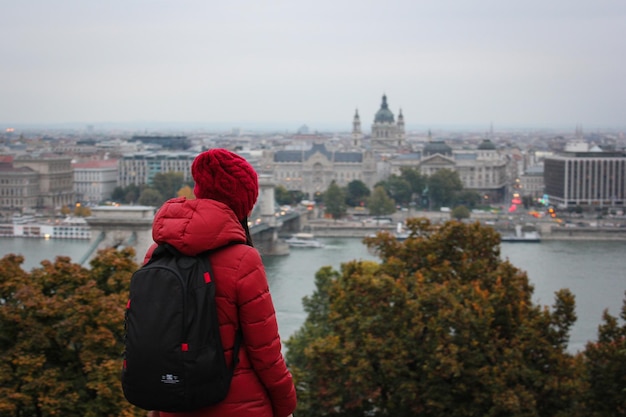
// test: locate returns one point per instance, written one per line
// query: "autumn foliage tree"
(61, 336)
(441, 327)
(606, 368)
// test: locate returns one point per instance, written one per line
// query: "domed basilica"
(387, 134)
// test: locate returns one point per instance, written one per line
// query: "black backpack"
(173, 358)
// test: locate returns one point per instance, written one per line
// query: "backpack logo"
(169, 379)
(173, 357)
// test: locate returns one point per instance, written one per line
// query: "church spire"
(356, 130)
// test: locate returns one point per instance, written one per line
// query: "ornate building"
(482, 169)
(36, 183)
(387, 134)
(313, 170)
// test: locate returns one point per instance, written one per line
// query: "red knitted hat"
(226, 177)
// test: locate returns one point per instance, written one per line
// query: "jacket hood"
(195, 226)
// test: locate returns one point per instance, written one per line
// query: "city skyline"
(287, 64)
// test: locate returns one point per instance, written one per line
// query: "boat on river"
(29, 226)
(304, 240)
(521, 236)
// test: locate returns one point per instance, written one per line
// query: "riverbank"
(549, 229)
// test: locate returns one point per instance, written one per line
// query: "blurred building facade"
(36, 182)
(586, 177)
(94, 181)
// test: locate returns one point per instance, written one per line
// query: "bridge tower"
(265, 235)
(267, 199)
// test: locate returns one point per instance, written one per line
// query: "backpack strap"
(165, 248)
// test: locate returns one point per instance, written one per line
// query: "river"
(595, 272)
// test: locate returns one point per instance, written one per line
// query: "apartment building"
(141, 167)
(94, 181)
(531, 182)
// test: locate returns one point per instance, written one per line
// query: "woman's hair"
(244, 224)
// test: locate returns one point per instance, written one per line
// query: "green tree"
(441, 327)
(380, 203)
(469, 198)
(399, 189)
(357, 193)
(296, 196)
(417, 180)
(606, 368)
(151, 197)
(335, 201)
(282, 195)
(132, 194)
(128, 194)
(118, 194)
(168, 183)
(443, 186)
(460, 213)
(61, 334)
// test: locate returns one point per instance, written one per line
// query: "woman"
(226, 190)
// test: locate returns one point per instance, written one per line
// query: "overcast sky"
(443, 62)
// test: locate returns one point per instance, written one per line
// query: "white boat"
(519, 236)
(401, 234)
(304, 240)
(28, 226)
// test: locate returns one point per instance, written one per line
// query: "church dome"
(486, 145)
(435, 147)
(384, 115)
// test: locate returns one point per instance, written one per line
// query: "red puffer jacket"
(262, 385)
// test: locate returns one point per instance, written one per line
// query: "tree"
(357, 193)
(151, 197)
(118, 194)
(168, 183)
(81, 210)
(399, 189)
(442, 187)
(335, 201)
(380, 203)
(469, 198)
(460, 213)
(282, 196)
(417, 180)
(441, 327)
(128, 194)
(606, 368)
(61, 334)
(187, 192)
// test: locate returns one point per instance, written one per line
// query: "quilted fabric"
(262, 385)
